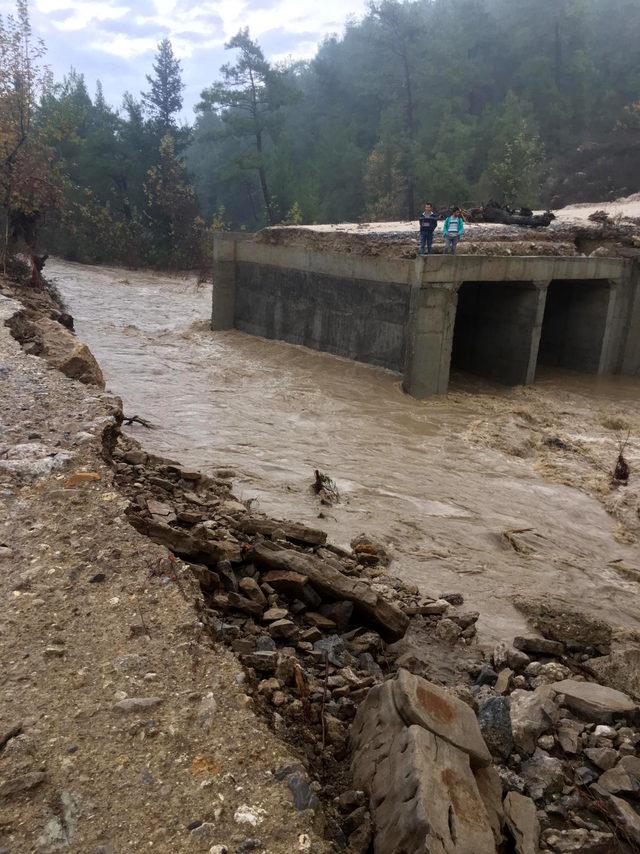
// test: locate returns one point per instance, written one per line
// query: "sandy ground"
(571, 214)
(121, 727)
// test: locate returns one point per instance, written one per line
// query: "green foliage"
(439, 101)
(294, 216)
(164, 98)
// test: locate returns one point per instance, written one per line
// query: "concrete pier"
(498, 317)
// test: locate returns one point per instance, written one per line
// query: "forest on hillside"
(534, 103)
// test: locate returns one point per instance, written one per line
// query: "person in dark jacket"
(428, 222)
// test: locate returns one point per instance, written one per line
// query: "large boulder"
(63, 350)
(413, 748)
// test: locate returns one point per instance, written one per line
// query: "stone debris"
(522, 820)
(594, 702)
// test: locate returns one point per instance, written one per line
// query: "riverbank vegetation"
(535, 103)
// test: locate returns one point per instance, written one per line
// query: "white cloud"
(81, 13)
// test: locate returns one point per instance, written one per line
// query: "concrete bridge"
(498, 317)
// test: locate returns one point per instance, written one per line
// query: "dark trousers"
(426, 238)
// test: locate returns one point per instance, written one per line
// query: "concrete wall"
(402, 314)
(363, 320)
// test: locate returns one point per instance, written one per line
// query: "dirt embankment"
(182, 673)
(610, 229)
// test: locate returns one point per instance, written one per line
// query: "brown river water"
(439, 480)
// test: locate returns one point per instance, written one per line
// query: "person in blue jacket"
(428, 222)
(453, 231)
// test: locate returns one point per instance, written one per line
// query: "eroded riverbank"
(432, 478)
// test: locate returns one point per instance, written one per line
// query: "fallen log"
(328, 581)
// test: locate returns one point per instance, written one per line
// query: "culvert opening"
(574, 325)
(495, 328)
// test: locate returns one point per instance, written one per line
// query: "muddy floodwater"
(459, 485)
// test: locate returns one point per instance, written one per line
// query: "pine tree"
(164, 99)
(251, 94)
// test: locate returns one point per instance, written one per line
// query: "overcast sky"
(115, 40)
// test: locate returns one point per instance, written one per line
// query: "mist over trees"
(531, 103)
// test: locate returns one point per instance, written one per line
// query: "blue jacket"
(460, 226)
(428, 222)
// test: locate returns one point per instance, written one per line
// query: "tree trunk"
(266, 195)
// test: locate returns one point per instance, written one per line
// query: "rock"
(207, 712)
(335, 731)
(583, 776)
(319, 621)
(543, 775)
(621, 668)
(63, 350)
(136, 704)
(522, 820)
(246, 814)
(625, 777)
(264, 643)
(364, 642)
(284, 629)
(339, 612)
(247, 606)
(579, 839)
(532, 714)
(360, 841)
(453, 598)
(251, 589)
(503, 680)
(486, 676)
(546, 742)
(511, 782)
(335, 650)
(304, 798)
(274, 614)
(158, 508)
(539, 646)
(135, 457)
(516, 659)
(330, 582)
(495, 726)
(204, 832)
(621, 813)
(263, 662)
(350, 800)
(310, 635)
(556, 620)
(550, 672)
(447, 631)
(292, 530)
(490, 789)
(424, 797)
(431, 707)
(193, 547)
(434, 608)
(568, 734)
(22, 783)
(368, 663)
(604, 757)
(594, 702)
